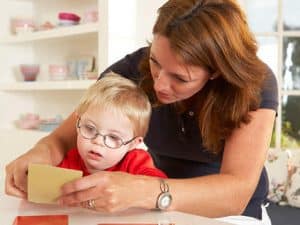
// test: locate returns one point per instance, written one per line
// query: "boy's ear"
(136, 142)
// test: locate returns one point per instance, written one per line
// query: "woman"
(214, 108)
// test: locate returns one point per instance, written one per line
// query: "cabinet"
(117, 32)
(55, 46)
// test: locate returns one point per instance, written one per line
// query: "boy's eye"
(89, 128)
(113, 137)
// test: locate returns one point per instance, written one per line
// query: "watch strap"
(164, 199)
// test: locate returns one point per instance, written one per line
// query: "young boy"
(113, 118)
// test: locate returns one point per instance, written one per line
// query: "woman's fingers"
(83, 189)
(79, 196)
(101, 205)
(102, 191)
(20, 179)
(15, 181)
(96, 205)
(83, 183)
(12, 189)
(94, 198)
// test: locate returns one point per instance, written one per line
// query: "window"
(276, 24)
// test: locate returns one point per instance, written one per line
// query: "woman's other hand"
(111, 192)
(49, 150)
(16, 171)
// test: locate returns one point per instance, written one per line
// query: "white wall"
(131, 28)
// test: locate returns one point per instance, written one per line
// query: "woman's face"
(173, 80)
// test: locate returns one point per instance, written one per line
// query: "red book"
(134, 224)
(42, 220)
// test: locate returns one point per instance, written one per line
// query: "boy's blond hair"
(120, 94)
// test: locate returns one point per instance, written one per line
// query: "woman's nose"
(161, 81)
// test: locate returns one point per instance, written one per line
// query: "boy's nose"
(98, 140)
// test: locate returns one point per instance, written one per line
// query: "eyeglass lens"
(90, 132)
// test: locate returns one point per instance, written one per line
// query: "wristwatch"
(164, 199)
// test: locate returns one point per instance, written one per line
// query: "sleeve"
(65, 163)
(71, 160)
(128, 66)
(269, 94)
(140, 162)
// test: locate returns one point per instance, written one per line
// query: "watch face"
(164, 200)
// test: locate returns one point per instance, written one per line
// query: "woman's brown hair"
(214, 35)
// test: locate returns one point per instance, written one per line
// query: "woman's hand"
(16, 171)
(49, 150)
(111, 191)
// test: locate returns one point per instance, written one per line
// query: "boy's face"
(95, 154)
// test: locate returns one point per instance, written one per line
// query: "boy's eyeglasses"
(90, 132)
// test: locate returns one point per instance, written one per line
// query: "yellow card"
(44, 182)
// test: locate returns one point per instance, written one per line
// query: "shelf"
(266, 34)
(47, 85)
(291, 33)
(294, 33)
(290, 92)
(59, 32)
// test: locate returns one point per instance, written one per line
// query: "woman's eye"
(152, 60)
(180, 79)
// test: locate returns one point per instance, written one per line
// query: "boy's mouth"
(94, 155)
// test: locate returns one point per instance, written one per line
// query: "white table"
(10, 207)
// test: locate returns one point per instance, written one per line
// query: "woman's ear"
(214, 75)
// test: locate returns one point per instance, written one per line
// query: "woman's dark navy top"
(175, 143)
